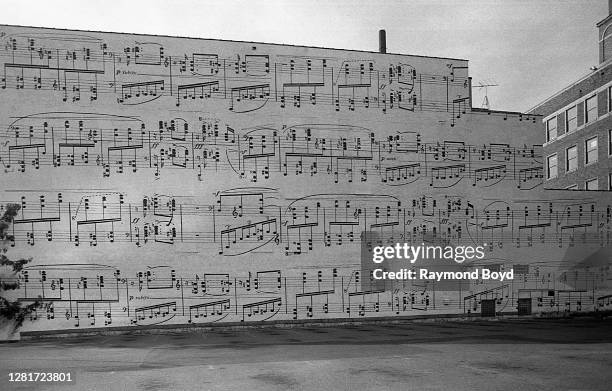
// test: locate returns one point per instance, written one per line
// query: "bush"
(12, 311)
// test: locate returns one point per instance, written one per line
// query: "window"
(591, 150)
(552, 167)
(609, 142)
(604, 53)
(610, 182)
(572, 187)
(609, 99)
(590, 109)
(571, 159)
(551, 129)
(592, 184)
(571, 122)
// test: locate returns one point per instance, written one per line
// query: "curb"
(302, 323)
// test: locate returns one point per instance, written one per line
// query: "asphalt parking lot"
(562, 354)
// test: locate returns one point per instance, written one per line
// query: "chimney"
(382, 39)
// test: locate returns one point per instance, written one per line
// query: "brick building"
(577, 126)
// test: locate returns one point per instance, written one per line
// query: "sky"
(530, 48)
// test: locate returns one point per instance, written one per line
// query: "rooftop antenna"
(486, 84)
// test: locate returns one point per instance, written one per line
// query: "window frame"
(548, 138)
(586, 184)
(574, 119)
(587, 119)
(586, 151)
(548, 176)
(567, 168)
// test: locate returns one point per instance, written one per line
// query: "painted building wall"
(177, 180)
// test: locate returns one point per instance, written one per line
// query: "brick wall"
(590, 83)
(584, 172)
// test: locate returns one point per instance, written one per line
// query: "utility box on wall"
(487, 307)
(524, 306)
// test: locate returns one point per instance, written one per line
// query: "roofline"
(481, 110)
(230, 40)
(572, 84)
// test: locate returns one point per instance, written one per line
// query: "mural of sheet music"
(184, 181)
